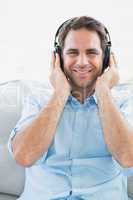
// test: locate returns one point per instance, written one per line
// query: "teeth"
(82, 71)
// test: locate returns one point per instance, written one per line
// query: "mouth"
(83, 70)
(82, 73)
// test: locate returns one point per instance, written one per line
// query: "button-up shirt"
(78, 160)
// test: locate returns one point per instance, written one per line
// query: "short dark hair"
(86, 22)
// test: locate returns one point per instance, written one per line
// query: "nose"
(82, 61)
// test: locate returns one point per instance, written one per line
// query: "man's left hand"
(110, 77)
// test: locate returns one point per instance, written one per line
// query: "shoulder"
(123, 94)
(36, 93)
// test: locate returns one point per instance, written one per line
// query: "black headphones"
(58, 49)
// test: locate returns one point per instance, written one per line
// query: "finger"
(112, 60)
(52, 63)
(57, 60)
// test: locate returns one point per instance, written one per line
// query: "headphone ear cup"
(59, 51)
(106, 58)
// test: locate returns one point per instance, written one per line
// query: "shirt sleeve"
(30, 110)
(127, 111)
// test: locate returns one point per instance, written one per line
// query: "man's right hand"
(57, 77)
(35, 138)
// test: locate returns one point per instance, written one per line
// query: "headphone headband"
(58, 30)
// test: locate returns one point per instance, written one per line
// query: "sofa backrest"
(11, 174)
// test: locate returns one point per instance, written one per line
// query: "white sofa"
(12, 176)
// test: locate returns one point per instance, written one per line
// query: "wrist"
(63, 91)
(61, 95)
(102, 91)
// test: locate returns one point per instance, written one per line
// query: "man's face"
(83, 58)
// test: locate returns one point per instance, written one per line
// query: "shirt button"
(71, 192)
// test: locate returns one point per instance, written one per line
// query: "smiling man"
(75, 142)
(83, 59)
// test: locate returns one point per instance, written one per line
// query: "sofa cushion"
(130, 186)
(11, 174)
(7, 197)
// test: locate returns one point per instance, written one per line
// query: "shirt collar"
(95, 98)
(88, 101)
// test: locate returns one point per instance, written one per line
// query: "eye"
(92, 54)
(72, 53)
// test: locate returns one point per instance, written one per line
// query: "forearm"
(117, 132)
(35, 139)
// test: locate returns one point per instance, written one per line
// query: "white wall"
(27, 29)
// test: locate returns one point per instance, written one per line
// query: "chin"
(85, 85)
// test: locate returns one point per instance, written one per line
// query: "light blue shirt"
(78, 161)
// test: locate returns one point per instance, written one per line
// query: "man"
(75, 143)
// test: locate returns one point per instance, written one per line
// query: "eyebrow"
(72, 50)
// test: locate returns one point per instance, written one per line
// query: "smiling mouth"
(83, 72)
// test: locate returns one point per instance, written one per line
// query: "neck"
(81, 93)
